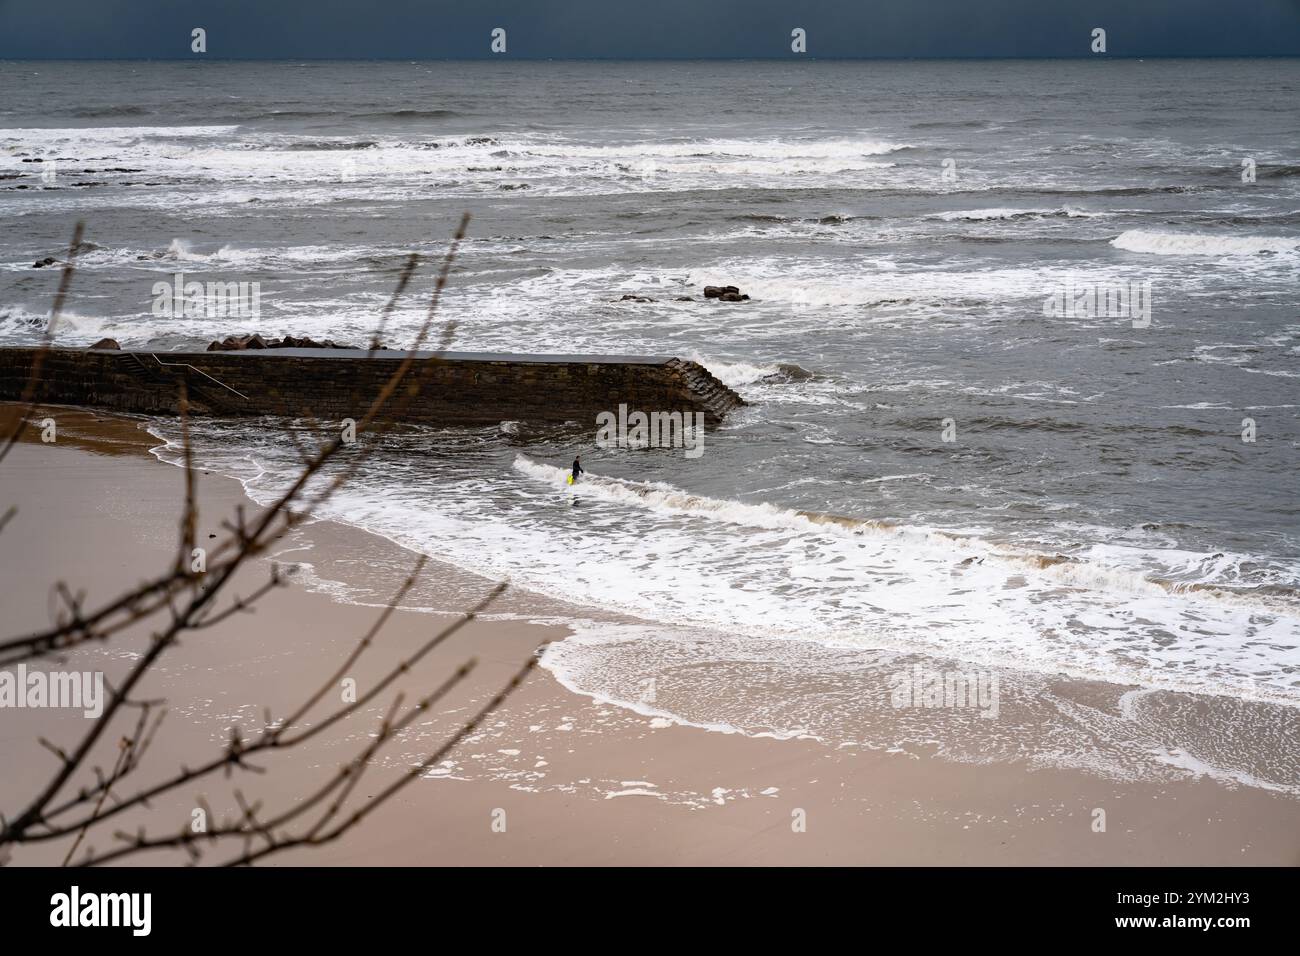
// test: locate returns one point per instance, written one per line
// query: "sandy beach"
(553, 777)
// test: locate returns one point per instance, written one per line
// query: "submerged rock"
(790, 372)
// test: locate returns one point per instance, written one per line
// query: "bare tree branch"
(185, 600)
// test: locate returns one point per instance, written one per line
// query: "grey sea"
(1022, 352)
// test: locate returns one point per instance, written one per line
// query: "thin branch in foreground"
(29, 397)
(247, 544)
(279, 737)
(408, 270)
(188, 607)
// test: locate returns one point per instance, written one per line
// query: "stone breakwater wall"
(458, 388)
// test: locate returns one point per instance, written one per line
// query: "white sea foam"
(296, 169)
(774, 148)
(901, 568)
(1135, 617)
(107, 135)
(736, 374)
(1201, 244)
(802, 285)
(841, 697)
(1086, 572)
(230, 255)
(19, 324)
(984, 215)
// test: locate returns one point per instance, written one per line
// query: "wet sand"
(553, 778)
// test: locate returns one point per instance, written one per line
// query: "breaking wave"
(1199, 244)
(984, 215)
(967, 549)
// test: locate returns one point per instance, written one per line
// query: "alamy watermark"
(921, 687)
(638, 429)
(82, 690)
(193, 299)
(133, 911)
(1109, 300)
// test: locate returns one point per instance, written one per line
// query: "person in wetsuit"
(577, 468)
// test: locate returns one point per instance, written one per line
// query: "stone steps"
(706, 390)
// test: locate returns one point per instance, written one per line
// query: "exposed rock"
(635, 298)
(236, 343)
(107, 344)
(83, 247)
(684, 298)
(721, 292)
(733, 297)
(289, 342)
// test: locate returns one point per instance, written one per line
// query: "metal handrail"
(201, 372)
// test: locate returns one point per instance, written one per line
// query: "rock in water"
(722, 292)
(237, 343)
(233, 343)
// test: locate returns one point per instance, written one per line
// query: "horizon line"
(790, 57)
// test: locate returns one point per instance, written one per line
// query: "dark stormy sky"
(434, 29)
